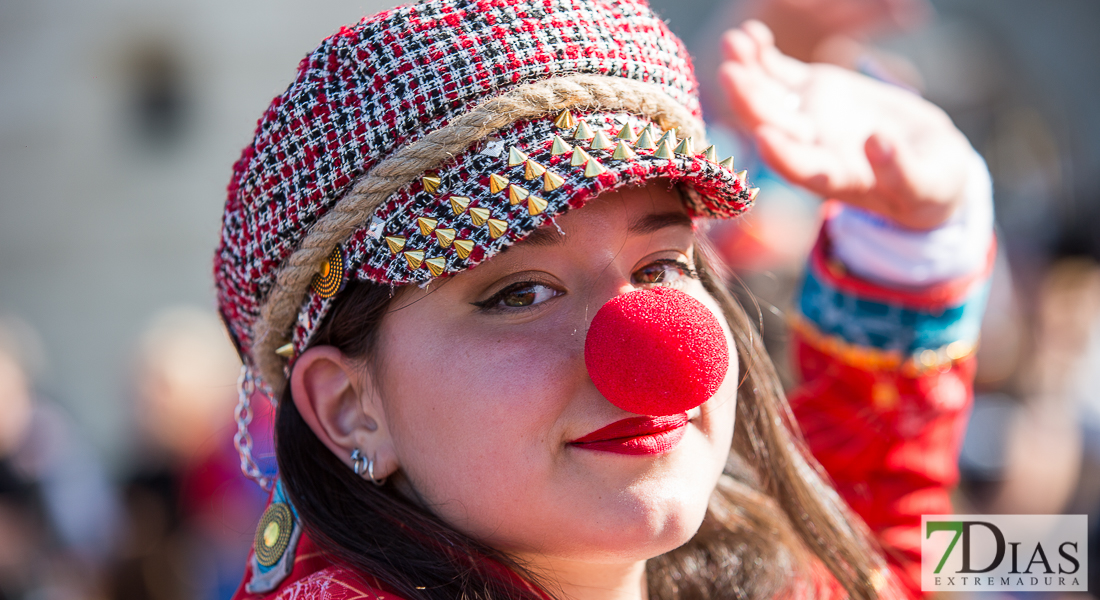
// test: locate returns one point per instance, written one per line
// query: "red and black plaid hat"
(426, 139)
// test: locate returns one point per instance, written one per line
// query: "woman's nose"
(656, 351)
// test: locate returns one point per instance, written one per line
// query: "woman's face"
(483, 384)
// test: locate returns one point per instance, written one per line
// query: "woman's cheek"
(495, 400)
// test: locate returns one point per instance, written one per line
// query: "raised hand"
(846, 136)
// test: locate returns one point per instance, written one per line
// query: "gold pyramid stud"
(742, 177)
(426, 225)
(593, 168)
(726, 163)
(565, 120)
(600, 141)
(645, 140)
(415, 258)
(626, 133)
(752, 194)
(478, 216)
(436, 265)
(686, 147)
(664, 150)
(516, 194)
(623, 152)
(497, 228)
(286, 350)
(710, 154)
(670, 137)
(459, 204)
(445, 236)
(497, 183)
(579, 158)
(560, 147)
(551, 181)
(583, 132)
(536, 205)
(532, 170)
(396, 244)
(515, 157)
(431, 183)
(464, 248)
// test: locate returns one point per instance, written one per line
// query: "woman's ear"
(338, 400)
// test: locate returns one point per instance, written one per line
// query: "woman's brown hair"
(772, 520)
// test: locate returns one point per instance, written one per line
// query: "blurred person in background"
(1052, 446)
(58, 514)
(186, 497)
(1044, 438)
(1079, 342)
(1037, 451)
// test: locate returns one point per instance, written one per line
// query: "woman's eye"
(520, 295)
(663, 272)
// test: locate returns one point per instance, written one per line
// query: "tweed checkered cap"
(426, 139)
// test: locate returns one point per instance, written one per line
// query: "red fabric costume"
(886, 391)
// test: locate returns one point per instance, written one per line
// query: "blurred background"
(120, 120)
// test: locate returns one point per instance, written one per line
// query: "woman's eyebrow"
(658, 221)
(543, 236)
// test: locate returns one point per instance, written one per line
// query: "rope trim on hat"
(590, 92)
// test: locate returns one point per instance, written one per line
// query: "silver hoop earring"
(364, 467)
(370, 474)
(358, 462)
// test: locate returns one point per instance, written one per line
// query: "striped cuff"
(875, 327)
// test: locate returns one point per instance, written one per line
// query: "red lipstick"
(637, 435)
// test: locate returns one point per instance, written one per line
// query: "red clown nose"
(656, 352)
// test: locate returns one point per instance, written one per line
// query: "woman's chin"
(635, 525)
(623, 549)
(654, 539)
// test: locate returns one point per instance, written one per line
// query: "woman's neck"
(574, 580)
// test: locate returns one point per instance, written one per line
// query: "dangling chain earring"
(246, 386)
(364, 467)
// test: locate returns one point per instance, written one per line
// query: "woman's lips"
(637, 435)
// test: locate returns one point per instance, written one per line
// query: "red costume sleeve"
(886, 388)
